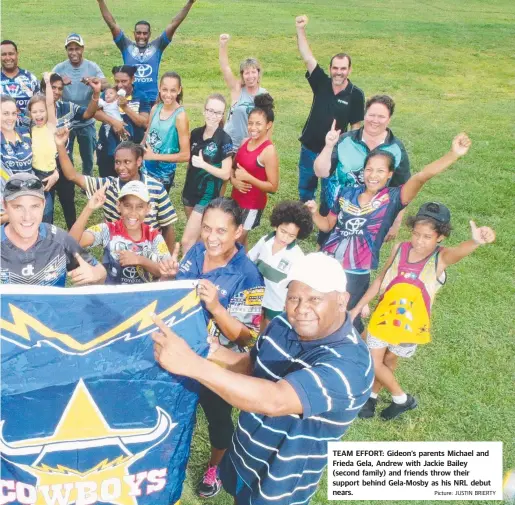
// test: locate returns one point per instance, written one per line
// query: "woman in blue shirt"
(134, 108)
(15, 148)
(231, 290)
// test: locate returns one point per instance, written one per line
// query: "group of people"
(285, 327)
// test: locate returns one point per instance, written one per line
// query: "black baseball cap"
(437, 211)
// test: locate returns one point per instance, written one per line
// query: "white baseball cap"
(135, 188)
(318, 271)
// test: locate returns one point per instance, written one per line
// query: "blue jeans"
(87, 140)
(308, 183)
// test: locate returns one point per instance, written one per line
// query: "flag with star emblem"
(87, 416)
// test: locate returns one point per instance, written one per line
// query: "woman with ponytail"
(256, 171)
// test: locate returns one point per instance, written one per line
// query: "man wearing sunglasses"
(33, 252)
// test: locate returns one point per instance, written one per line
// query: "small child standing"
(275, 253)
(408, 284)
(109, 104)
(44, 151)
(132, 250)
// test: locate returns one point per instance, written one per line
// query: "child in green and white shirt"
(275, 253)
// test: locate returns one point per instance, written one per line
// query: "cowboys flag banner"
(87, 414)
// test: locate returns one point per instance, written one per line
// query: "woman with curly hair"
(275, 253)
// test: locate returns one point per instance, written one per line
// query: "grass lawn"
(450, 67)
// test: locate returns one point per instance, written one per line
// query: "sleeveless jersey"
(407, 292)
(238, 117)
(163, 139)
(255, 198)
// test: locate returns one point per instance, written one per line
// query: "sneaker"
(396, 409)
(369, 409)
(210, 485)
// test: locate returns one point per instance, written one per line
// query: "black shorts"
(251, 218)
(357, 285)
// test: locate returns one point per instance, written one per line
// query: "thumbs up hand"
(86, 273)
(483, 235)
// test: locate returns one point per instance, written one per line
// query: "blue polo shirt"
(16, 157)
(280, 460)
(68, 113)
(240, 288)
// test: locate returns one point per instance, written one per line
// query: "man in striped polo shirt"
(301, 386)
(128, 160)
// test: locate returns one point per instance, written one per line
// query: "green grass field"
(450, 67)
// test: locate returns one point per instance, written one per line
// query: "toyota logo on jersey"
(143, 71)
(354, 226)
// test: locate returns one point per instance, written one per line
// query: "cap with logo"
(436, 211)
(74, 37)
(319, 271)
(135, 188)
(23, 184)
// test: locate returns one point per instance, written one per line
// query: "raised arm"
(451, 255)
(109, 19)
(323, 223)
(96, 85)
(233, 83)
(460, 147)
(97, 200)
(49, 102)
(178, 19)
(302, 42)
(61, 138)
(322, 165)
(246, 393)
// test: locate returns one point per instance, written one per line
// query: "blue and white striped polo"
(281, 459)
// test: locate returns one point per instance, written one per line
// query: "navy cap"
(437, 211)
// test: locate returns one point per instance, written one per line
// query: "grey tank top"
(237, 119)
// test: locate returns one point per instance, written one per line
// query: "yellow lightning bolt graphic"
(81, 420)
(23, 321)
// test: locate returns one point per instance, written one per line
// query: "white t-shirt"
(274, 268)
(111, 109)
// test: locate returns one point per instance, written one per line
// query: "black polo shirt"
(347, 107)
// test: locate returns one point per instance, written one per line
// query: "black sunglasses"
(17, 185)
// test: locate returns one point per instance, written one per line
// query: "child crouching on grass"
(275, 253)
(132, 250)
(413, 274)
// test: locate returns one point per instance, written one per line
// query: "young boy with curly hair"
(275, 253)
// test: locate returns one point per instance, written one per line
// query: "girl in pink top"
(257, 166)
